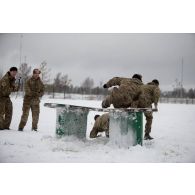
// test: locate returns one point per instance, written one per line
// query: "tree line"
(63, 84)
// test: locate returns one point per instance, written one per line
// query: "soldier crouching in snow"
(7, 85)
(122, 97)
(34, 90)
(150, 94)
(101, 125)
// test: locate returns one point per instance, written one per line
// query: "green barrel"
(71, 120)
(126, 128)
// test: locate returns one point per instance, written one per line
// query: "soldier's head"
(36, 73)
(137, 76)
(13, 71)
(96, 116)
(156, 82)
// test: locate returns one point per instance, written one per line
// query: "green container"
(126, 128)
(71, 121)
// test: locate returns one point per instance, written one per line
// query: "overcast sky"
(103, 56)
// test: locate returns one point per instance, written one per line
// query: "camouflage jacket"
(34, 88)
(150, 94)
(128, 86)
(101, 124)
(7, 85)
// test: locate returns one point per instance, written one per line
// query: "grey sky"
(102, 56)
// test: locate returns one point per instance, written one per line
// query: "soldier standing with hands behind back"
(34, 90)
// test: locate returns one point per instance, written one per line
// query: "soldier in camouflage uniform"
(101, 125)
(7, 85)
(150, 95)
(128, 91)
(34, 90)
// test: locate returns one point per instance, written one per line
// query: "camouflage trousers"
(6, 110)
(149, 119)
(118, 99)
(33, 105)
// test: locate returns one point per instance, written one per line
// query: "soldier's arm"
(41, 93)
(93, 133)
(15, 87)
(113, 82)
(28, 90)
(5, 88)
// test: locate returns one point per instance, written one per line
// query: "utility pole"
(25, 59)
(21, 36)
(181, 91)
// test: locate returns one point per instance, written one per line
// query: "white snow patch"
(173, 130)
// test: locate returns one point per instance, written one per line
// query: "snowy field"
(173, 130)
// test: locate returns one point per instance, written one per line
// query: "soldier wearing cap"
(101, 125)
(34, 90)
(7, 85)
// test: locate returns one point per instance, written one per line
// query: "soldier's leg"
(107, 132)
(35, 115)
(106, 102)
(148, 125)
(8, 113)
(2, 113)
(24, 117)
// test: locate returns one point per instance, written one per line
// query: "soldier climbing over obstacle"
(133, 93)
(128, 91)
(150, 95)
(101, 125)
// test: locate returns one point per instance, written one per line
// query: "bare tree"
(87, 85)
(45, 72)
(191, 93)
(61, 83)
(65, 82)
(57, 81)
(24, 72)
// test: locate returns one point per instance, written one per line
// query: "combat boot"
(147, 137)
(105, 104)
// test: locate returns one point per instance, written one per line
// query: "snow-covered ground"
(173, 130)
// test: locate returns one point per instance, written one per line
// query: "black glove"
(105, 86)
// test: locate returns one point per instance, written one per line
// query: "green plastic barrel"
(126, 128)
(71, 121)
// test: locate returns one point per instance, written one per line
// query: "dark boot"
(20, 129)
(105, 104)
(147, 137)
(34, 129)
